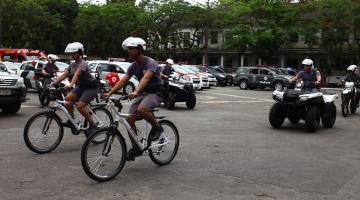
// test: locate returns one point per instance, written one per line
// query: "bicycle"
(104, 162)
(44, 131)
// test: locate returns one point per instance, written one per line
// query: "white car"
(11, 67)
(112, 72)
(211, 78)
(28, 69)
(201, 82)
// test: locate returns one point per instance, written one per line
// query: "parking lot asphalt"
(228, 150)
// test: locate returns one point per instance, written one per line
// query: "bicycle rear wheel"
(43, 132)
(164, 154)
(102, 162)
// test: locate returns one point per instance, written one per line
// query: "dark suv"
(261, 77)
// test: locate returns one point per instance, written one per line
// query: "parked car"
(30, 69)
(222, 77)
(196, 80)
(210, 76)
(12, 91)
(112, 72)
(10, 66)
(261, 77)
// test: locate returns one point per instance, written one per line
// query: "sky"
(103, 1)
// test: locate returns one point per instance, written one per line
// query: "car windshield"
(219, 70)
(13, 66)
(240, 70)
(62, 66)
(180, 69)
(193, 68)
(206, 69)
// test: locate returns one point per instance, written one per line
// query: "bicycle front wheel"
(168, 144)
(103, 119)
(102, 162)
(43, 132)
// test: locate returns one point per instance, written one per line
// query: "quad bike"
(180, 90)
(350, 98)
(305, 102)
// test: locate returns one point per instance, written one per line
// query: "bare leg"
(148, 116)
(71, 97)
(81, 106)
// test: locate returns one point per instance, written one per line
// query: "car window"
(22, 67)
(29, 66)
(112, 68)
(62, 66)
(254, 71)
(103, 67)
(119, 70)
(265, 72)
(219, 70)
(92, 66)
(241, 70)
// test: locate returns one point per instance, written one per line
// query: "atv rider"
(353, 77)
(165, 73)
(50, 69)
(310, 76)
(147, 95)
(86, 85)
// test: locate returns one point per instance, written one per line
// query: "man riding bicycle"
(86, 85)
(147, 95)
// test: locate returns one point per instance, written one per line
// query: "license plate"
(5, 92)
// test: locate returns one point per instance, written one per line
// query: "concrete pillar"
(203, 60)
(222, 60)
(242, 61)
(282, 64)
(259, 61)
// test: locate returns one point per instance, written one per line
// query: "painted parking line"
(219, 102)
(238, 96)
(205, 97)
(27, 106)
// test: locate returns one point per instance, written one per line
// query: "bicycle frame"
(79, 126)
(142, 145)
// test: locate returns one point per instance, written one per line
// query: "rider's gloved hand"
(317, 82)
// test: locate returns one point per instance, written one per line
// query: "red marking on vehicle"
(112, 78)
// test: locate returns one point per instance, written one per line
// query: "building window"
(186, 39)
(214, 37)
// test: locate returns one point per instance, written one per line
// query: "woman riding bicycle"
(86, 85)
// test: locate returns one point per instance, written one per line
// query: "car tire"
(276, 117)
(278, 85)
(243, 84)
(128, 88)
(312, 119)
(11, 108)
(329, 120)
(191, 101)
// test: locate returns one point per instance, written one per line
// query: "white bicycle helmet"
(74, 47)
(52, 57)
(170, 61)
(352, 68)
(134, 42)
(307, 61)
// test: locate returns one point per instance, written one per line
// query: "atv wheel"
(191, 101)
(294, 120)
(330, 118)
(276, 117)
(170, 104)
(345, 106)
(312, 119)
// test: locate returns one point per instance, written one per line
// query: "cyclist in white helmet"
(148, 94)
(86, 85)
